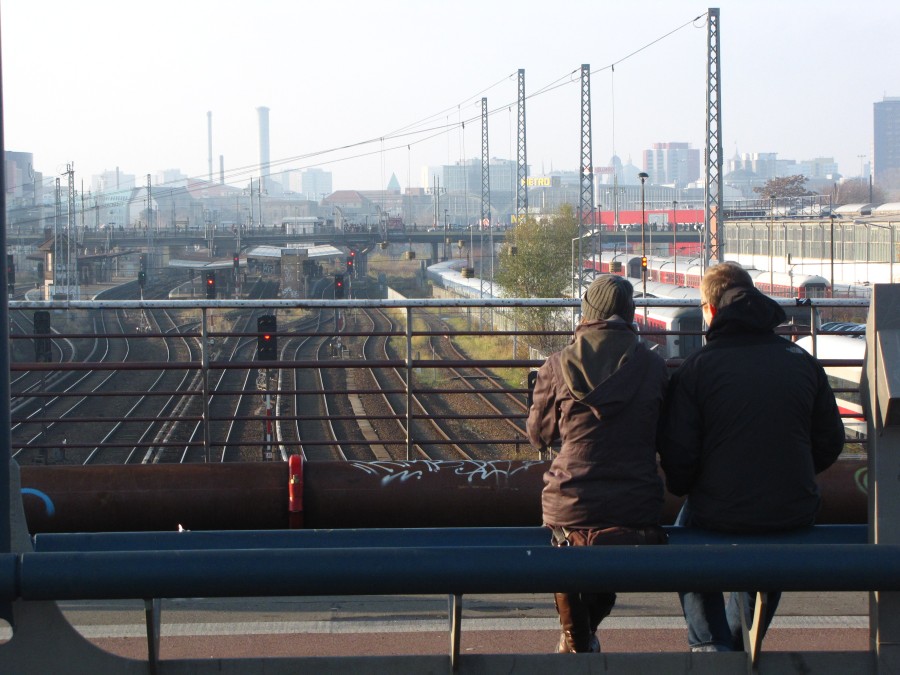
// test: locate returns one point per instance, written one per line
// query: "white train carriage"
(676, 331)
(776, 284)
(449, 275)
(612, 262)
(844, 379)
(781, 285)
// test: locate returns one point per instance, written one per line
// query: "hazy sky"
(365, 89)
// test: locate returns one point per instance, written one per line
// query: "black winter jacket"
(601, 397)
(748, 421)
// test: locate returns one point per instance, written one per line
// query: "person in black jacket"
(749, 421)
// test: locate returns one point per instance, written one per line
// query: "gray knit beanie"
(609, 294)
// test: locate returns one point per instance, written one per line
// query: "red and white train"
(844, 375)
(688, 272)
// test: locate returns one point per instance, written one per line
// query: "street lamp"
(447, 235)
(643, 176)
(675, 239)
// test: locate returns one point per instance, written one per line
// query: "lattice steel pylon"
(72, 286)
(486, 184)
(712, 251)
(586, 203)
(57, 243)
(521, 156)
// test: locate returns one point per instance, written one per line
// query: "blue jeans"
(712, 623)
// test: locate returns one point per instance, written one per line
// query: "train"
(676, 331)
(689, 271)
(844, 379)
(449, 274)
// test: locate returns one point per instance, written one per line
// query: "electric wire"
(406, 131)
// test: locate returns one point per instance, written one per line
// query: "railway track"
(126, 386)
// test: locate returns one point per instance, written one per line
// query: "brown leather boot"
(575, 623)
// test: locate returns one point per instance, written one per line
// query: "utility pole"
(521, 154)
(72, 243)
(713, 213)
(149, 222)
(259, 201)
(251, 202)
(486, 189)
(57, 250)
(586, 203)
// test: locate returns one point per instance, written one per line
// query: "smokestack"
(222, 169)
(263, 145)
(209, 142)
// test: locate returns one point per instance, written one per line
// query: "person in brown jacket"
(601, 397)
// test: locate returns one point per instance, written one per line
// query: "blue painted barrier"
(450, 570)
(404, 538)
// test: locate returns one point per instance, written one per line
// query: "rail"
(418, 339)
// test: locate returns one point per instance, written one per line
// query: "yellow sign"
(536, 182)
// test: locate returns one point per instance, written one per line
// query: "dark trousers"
(712, 623)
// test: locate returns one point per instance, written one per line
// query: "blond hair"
(721, 278)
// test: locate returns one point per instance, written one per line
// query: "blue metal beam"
(401, 537)
(447, 570)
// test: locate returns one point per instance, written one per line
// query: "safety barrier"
(453, 562)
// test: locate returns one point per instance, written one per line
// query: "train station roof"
(323, 251)
(271, 252)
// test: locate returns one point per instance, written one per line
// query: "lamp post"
(447, 235)
(643, 176)
(831, 216)
(675, 239)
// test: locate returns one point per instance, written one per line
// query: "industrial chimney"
(263, 146)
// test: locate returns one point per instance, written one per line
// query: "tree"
(856, 191)
(540, 268)
(784, 187)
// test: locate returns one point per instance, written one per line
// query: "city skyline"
(415, 97)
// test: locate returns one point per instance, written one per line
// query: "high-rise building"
(23, 185)
(316, 184)
(672, 164)
(887, 139)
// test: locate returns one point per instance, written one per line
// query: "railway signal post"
(267, 350)
(210, 285)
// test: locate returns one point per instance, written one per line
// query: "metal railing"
(494, 343)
